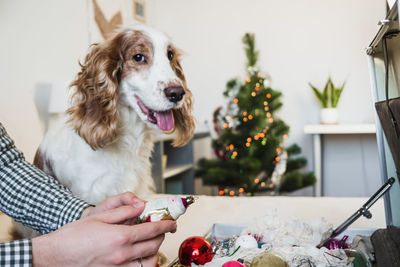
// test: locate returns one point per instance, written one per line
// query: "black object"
(363, 211)
(386, 243)
(389, 111)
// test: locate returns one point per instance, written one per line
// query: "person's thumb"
(121, 214)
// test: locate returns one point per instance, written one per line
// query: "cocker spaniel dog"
(128, 86)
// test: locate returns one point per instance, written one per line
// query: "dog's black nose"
(174, 93)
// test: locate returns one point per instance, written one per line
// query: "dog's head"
(138, 67)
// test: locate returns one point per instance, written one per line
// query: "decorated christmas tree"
(250, 155)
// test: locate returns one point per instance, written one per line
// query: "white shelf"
(340, 129)
(172, 171)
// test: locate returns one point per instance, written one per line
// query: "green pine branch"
(249, 47)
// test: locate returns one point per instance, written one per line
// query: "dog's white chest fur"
(93, 175)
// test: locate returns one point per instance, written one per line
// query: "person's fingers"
(146, 248)
(132, 221)
(146, 262)
(149, 247)
(123, 199)
(112, 202)
(150, 261)
(120, 214)
(150, 230)
(133, 252)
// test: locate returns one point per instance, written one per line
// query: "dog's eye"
(139, 58)
(170, 55)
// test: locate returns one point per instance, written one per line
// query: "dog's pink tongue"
(165, 120)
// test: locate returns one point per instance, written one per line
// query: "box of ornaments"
(273, 242)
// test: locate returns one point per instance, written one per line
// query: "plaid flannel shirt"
(33, 198)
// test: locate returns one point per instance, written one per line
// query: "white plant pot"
(329, 116)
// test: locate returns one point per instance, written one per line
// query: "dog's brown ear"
(184, 120)
(93, 112)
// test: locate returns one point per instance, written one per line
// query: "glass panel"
(394, 91)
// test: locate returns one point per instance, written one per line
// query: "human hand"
(99, 240)
(113, 202)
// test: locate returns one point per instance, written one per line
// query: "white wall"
(299, 41)
(41, 41)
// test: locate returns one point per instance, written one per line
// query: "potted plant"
(328, 98)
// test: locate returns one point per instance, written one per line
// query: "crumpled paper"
(293, 240)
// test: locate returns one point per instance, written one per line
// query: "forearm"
(30, 196)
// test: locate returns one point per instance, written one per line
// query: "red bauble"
(232, 264)
(195, 249)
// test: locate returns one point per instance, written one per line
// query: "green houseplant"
(329, 98)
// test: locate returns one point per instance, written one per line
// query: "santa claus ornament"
(165, 208)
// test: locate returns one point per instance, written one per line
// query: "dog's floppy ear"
(184, 120)
(93, 112)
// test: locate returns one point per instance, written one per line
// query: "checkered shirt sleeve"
(17, 253)
(31, 197)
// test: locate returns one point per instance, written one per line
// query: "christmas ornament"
(232, 264)
(165, 208)
(196, 250)
(224, 247)
(280, 168)
(303, 261)
(246, 241)
(268, 259)
(216, 120)
(334, 243)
